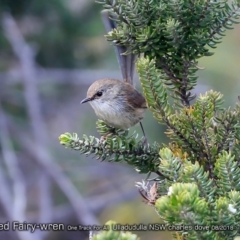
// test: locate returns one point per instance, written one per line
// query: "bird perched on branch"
(117, 102)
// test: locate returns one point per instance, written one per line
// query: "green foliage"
(227, 171)
(195, 173)
(198, 183)
(154, 90)
(196, 130)
(174, 33)
(115, 147)
(192, 198)
(112, 234)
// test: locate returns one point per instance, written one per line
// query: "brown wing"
(135, 98)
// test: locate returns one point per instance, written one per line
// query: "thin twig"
(46, 205)
(26, 59)
(39, 148)
(16, 202)
(84, 214)
(84, 77)
(5, 196)
(11, 161)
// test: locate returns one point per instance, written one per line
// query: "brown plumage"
(116, 102)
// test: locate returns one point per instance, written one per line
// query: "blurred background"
(50, 53)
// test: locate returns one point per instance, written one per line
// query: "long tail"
(126, 62)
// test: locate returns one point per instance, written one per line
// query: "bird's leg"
(145, 141)
(111, 132)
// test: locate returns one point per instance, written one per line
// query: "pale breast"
(115, 115)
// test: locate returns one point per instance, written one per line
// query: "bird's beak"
(86, 100)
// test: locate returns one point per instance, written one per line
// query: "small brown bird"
(116, 102)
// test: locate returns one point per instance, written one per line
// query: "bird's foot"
(145, 141)
(104, 137)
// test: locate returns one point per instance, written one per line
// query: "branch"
(26, 57)
(39, 147)
(60, 76)
(115, 149)
(45, 202)
(81, 207)
(5, 196)
(11, 161)
(15, 204)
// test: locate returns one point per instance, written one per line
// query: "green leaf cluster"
(203, 130)
(201, 165)
(114, 235)
(115, 148)
(198, 172)
(193, 199)
(173, 33)
(183, 27)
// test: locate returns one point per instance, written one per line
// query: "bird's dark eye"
(99, 94)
